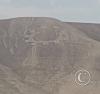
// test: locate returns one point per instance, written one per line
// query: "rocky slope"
(41, 55)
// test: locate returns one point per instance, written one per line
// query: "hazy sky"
(65, 10)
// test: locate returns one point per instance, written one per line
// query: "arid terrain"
(40, 55)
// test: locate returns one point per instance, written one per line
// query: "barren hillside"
(40, 55)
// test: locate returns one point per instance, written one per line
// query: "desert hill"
(40, 55)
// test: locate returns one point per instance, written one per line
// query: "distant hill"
(40, 54)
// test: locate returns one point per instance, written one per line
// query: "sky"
(87, 11)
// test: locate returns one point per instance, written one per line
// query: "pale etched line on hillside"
(4, 43)
(12, 51)
(16, 41)
(3, 40)
(25, 62)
